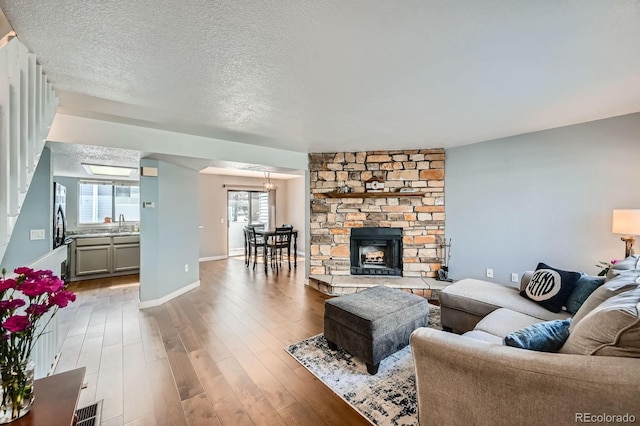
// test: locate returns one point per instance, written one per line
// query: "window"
(98, 200)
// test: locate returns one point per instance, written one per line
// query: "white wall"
(296, 208)
(541, 197)
(89, 131)
(213, 210)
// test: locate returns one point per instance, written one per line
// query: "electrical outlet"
(514, 277)
(489, 273)
(186, 267)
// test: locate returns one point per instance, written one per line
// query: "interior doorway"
(244, 208)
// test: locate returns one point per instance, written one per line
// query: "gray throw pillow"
(548, 336)
(623, 282)
(611, 329)
(584, 287)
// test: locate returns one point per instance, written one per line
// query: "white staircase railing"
(27, 107)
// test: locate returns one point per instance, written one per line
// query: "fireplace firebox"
(376, 251)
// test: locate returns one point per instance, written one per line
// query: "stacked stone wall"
(421, 217)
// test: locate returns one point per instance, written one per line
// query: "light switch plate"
(36, 234)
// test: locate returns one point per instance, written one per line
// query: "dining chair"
(255, 242)
(278, 243)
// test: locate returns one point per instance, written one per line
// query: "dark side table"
(55, 401)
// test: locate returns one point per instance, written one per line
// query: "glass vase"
(17, 390)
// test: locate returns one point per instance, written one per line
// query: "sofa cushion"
(611, 329)
(621, 283)
(480, 298)
(547, 336)
(550, 287)
(504, 321)
(583, 289)
(628, 263)
(483, 336)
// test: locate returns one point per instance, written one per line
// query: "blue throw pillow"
(550, 287)
(548, 336)
(584, 287)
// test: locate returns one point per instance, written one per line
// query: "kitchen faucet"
(120, 220)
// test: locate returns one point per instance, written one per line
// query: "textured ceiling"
(67, 159)
(321, 75)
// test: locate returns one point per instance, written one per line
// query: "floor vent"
(90, 414)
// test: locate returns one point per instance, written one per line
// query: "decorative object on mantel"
(407, 190)
(344, 189)
(627, 222)
(386, 194)
(27, 304)
(375, 184)
(443, 272)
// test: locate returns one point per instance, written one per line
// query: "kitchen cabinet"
(93, 260)
(99, 257)
(126, 254)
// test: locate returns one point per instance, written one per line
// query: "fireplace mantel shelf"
(371, 194)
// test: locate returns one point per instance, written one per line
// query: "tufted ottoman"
(374, 323)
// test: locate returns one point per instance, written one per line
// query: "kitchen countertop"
(104, 234)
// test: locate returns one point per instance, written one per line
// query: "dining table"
(267, 233)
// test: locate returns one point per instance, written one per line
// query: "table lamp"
(627, 222)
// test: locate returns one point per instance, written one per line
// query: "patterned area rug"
(388, 398)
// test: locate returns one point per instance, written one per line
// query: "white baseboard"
(206, 259)
(165, 299)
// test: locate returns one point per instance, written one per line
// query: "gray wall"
(546, 196)
(169, 231)
(36, 213)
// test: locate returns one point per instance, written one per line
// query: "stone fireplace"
(408, 197)
(376, 251)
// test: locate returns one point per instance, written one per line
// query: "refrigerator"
(59, 210)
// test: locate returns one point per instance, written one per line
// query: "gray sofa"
(474, 378)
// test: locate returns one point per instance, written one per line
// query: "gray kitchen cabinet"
(99, 257)
(126, 257)
(93, 260)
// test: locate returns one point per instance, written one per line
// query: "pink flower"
(37, 309)
(16, 323)
(613, 262)
(12, 304)
(7, 284)
(62, 298)
(53, 284)
(33, 288)
(23, 270)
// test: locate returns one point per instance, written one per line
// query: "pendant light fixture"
(268, 186)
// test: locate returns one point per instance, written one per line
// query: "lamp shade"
(626, 222)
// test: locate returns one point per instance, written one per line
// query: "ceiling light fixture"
(102, 170)
(268, 186)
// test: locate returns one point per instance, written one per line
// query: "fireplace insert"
(376, 251)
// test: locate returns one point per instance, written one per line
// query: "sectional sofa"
(474, 378)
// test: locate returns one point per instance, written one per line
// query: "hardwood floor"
(211, 356)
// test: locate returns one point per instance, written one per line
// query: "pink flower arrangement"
(605, 266)
(24, 302)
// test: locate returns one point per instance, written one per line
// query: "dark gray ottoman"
(374, 323)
